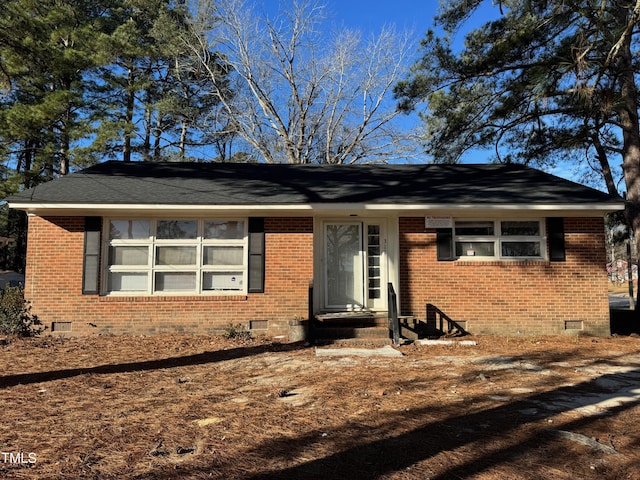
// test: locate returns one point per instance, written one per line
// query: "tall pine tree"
(544, 81)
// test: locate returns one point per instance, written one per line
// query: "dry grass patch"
(197, 407)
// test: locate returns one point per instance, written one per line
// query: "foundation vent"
(61, 326)
(573, 325)
(258, 324)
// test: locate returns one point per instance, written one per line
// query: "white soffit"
(586, 209)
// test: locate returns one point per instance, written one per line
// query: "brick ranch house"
(144, 248)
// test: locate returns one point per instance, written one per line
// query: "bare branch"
(300, 95)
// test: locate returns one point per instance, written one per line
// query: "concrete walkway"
(386, 351)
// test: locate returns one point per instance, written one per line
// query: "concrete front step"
(347, 327)
(349, 332)
(352, 319)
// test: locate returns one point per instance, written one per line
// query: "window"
(505, 239)
(374, 253)
(177, 256)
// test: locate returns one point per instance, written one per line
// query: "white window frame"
(497, 239)
(199, 269)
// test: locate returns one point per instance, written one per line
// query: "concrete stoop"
(351, 328)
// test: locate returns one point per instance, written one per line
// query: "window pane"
(177, 229)
(256, 243)
(224, 230)
(175, 281)
(127, 281)
(520, 228)
(91, 267)
(175, 255)
(474, 228)
(373, 250)
(129, 255)
(222, 281)
(472, 249)
(520, 249)
(129, 229)
(215, 255)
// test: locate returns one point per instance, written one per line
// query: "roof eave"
(88, 209)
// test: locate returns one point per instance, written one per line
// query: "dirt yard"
(198, 407)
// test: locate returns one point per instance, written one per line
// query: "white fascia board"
(499, 206)
(144, 206)
(582, 209)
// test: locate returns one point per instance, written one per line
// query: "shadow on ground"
(172, 362)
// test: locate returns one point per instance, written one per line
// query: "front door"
(354, 265)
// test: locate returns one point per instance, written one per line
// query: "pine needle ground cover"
(198, 407)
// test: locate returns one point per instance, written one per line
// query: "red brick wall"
(54, 286)
(519, 297)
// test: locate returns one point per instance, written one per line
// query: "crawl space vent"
(258, 324)
(61, 326)
(573, 325)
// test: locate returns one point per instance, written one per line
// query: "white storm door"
(344, 273)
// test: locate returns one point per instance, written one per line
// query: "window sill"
(174, 298)
(502, 263)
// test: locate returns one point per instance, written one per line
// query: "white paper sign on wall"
(438, 221)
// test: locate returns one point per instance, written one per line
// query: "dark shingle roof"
(253, 184)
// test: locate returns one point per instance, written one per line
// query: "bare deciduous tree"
(301, 95)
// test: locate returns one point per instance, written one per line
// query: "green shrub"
(15, 314)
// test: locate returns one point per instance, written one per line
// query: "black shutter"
(444, 243)
(91, 259)
(256, 255)
(555, 232)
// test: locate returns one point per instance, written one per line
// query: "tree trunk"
(128, 122)
(603, 159)
(65, 144)
(631, 139)
(157, 136)
(146, 147)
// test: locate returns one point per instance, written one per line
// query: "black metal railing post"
(394, 321)
(311, 321)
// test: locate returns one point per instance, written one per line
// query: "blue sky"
(417, 15)
(371, 15)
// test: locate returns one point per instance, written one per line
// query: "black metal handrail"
(394, 321)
